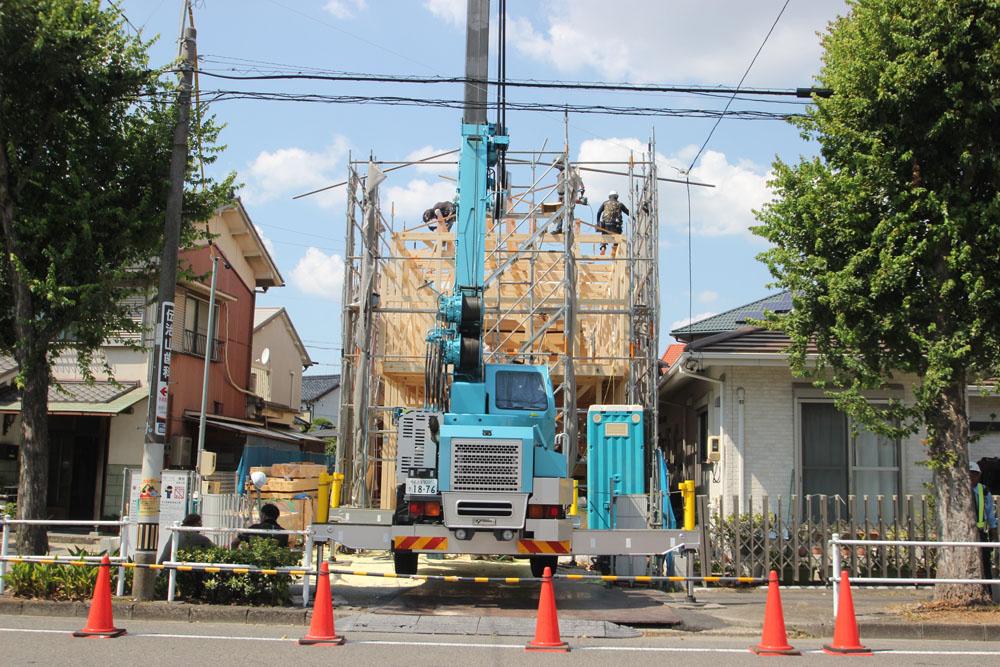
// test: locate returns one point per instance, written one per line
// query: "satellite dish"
(265, 356)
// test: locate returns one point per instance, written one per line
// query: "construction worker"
(577, 191)
(609, 218)
(986, 517)
(442, 212)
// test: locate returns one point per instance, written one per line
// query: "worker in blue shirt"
(986, 517)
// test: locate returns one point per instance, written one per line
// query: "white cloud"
(726, 209)
(268, 243)
(412, 199)
(345, 9)
(688, 320)
(319, 274)
(428, 151)
(708, 296)
(289, 171)
(693, 40)
(452, 11)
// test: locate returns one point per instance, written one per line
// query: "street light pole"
(147, 533)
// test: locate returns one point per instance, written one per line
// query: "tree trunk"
(31, 354)
(33, 483)
(948, 438)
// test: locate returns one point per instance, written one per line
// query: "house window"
(841, 457)
(196, 327)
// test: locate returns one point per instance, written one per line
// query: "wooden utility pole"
(159, 393)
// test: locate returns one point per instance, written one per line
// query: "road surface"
(26, 640)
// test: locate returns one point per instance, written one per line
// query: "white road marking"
(387, 642)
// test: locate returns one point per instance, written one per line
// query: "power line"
(321, 75)
(547, 107)
(737, 89)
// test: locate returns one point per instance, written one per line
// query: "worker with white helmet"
(985, 515)
(609, 217)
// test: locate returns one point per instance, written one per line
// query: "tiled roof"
(673, 353)
(737, 317)
(81, 397)
(315, 386)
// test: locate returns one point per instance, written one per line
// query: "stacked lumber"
(293, 488)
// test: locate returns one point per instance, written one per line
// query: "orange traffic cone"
(100, 619)
(321, 630)
(845, 633)
(547, 625)
(773, 640)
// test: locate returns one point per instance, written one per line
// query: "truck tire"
(539, 563)
(405, 562)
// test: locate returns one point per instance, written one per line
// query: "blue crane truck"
(478, 466)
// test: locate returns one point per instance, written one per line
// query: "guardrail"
(120, 558)
(177, 528)
(837, 558)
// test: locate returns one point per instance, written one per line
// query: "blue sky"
(280, 149)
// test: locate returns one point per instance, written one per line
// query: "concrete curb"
(160, 611)
(894, 630)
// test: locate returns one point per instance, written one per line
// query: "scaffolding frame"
(591, 317)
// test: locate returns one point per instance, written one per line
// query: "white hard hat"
(258, 479)
(974, 467)
(613, 193)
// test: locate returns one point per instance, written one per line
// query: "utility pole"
(159, 396)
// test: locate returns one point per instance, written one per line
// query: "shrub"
(57, 581)
(9, 509)
(228, 588)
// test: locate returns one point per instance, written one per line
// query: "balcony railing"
(195, 343)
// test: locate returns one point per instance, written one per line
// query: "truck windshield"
(520, 391)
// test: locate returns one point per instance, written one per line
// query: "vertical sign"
(175, 494)
(164, 335)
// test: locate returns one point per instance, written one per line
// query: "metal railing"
(195, 343)
(177, 528)
(790, 534)
(836, 556)
(121, 558)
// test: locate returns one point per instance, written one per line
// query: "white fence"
(307, 554)
(836, 557)
(122, 556)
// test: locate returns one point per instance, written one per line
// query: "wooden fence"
(791, 534)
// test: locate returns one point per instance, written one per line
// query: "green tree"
(889, 240)
(85, 138)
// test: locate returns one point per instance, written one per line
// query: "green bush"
(9, 509)
(57, 581)
(228, 588)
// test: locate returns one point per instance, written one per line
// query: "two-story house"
(97, 428)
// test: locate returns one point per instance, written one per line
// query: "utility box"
(630, 512)
(615, 460)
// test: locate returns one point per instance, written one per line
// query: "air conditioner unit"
(180, 451)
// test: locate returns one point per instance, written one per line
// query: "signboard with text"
(164, 338)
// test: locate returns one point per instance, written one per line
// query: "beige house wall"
(767, 460)
(284, 365)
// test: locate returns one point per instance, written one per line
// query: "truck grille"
(485, 465)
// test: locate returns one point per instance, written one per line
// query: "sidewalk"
(881, 613)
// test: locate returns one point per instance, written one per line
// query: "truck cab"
(497, 476)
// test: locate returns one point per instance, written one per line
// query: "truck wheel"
(405, 562)
(539, 563)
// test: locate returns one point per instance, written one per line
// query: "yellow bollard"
(338, 485)
(687, 494)
(323, 507)
(574, 509)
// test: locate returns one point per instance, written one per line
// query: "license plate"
(421, 487)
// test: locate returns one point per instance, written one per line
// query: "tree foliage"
(85, 140)
(85, 127)
(888, 239)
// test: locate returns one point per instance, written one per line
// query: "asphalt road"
(47, 641)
